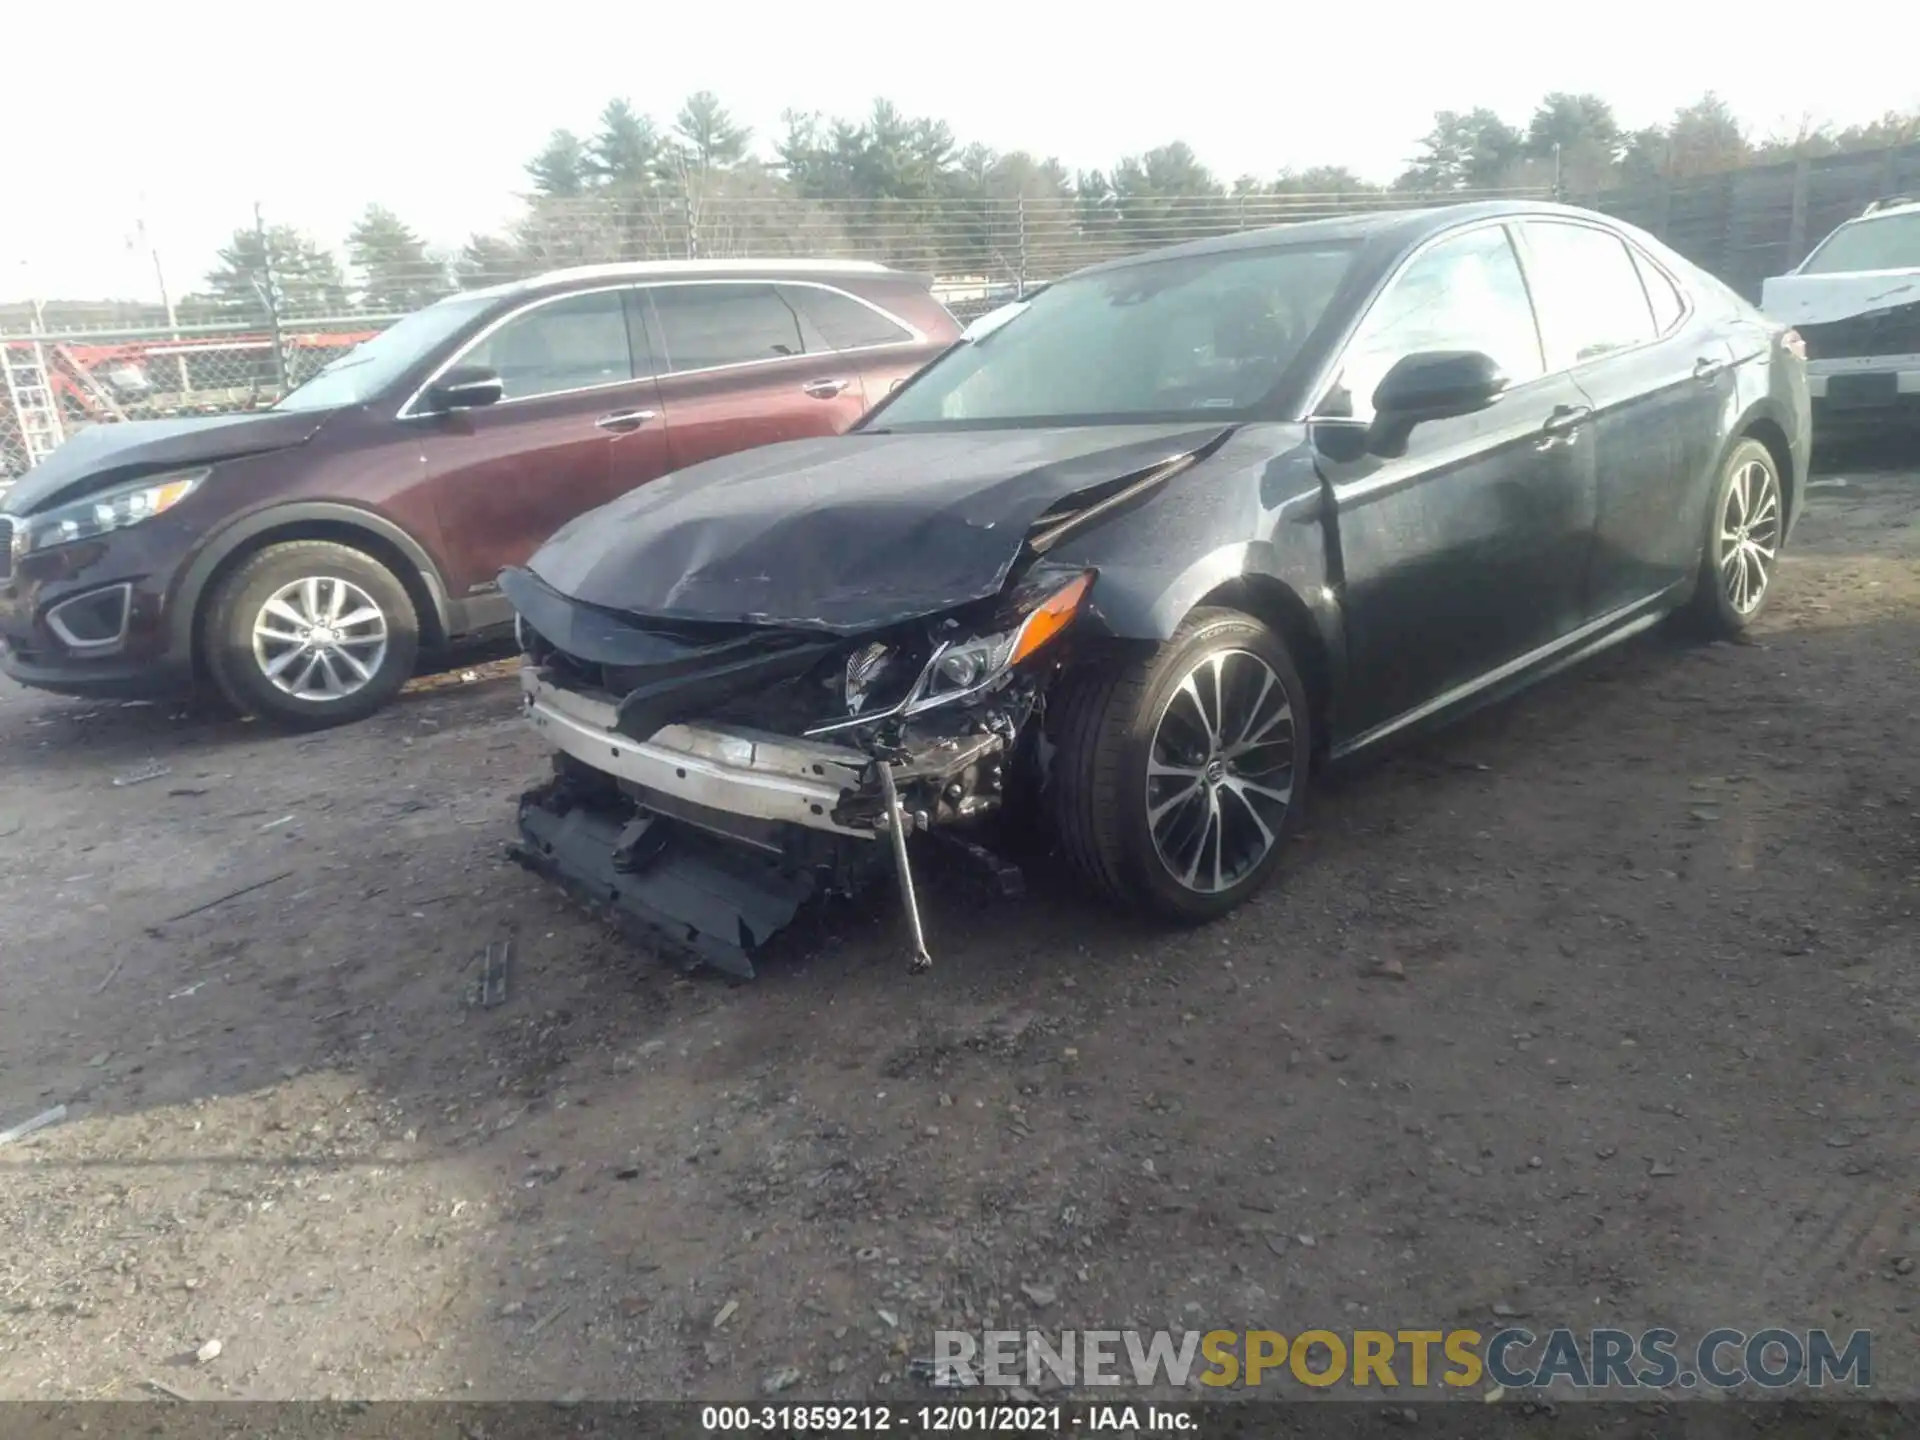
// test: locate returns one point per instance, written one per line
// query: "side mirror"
(466, 387)
(1432, 385)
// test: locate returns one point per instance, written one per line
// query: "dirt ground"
(1599, 1008)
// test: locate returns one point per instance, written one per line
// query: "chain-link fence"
(243, 344)
(53, 384)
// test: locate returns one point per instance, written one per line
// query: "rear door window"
(702, 327)
(1587, 290)
(844, 322)
(575, 343)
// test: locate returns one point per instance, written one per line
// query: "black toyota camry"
(1137, 554)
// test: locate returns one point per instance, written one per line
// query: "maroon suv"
(302, 557)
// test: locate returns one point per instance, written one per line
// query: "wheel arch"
(1272, 601)
(1250, 578)
(372, 534)
(1760, 425)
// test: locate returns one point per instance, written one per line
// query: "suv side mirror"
(466, 387)
(1432, 385)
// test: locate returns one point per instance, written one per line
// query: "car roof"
(770, 269)
(1391, 229)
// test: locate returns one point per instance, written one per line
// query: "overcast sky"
(185, 113)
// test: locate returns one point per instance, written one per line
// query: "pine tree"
(396, 272)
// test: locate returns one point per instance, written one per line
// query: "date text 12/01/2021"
(960, 1418)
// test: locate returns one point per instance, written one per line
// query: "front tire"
(311, 634)
(1745, 528)
(1179, 775)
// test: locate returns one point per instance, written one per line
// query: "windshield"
(371, 366)
(1884, 242)
(1208, 334)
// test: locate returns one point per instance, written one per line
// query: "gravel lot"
(1600, 1007)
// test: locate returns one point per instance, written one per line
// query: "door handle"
(824, 389)
(1706, 367)
(1565, 420)
(621, 421)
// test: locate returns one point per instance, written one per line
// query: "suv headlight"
(965, 669)
(105, 510)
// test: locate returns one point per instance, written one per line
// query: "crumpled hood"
(842, 534)
(1821, 299)
(100, 453)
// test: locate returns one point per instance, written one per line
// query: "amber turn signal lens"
(1052, 616)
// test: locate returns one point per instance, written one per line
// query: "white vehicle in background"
(1856, 303)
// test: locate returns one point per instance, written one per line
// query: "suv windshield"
(1207, 334)
(370, 367)
(1883, 242)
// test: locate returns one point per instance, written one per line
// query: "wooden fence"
(1744, 225)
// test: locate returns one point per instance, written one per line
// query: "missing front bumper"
(720, 769)
(709, 838)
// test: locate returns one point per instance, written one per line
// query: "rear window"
(1880, 242)
(844, 322)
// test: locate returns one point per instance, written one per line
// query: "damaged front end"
(710, 779)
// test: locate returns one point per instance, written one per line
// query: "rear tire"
(1739, 560)
(311, 634)
(1169, 794)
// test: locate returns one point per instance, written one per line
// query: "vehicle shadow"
(56, 734)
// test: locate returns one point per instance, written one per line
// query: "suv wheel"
(311, 634)
(1179, 775)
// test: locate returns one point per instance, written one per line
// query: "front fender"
(1141, 604)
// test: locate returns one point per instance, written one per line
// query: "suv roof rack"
(1889, 202)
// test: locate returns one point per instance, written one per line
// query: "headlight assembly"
(959, 670)
(962, 670)
(105, 511)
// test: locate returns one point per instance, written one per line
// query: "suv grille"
(6, 548)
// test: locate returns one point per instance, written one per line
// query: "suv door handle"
(622, 421)
(1706, 367)
(824, 389)
(1566, 419)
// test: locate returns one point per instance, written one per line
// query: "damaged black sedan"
(1137, 555)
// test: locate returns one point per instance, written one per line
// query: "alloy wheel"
(320, 638)
(1220, 771)
(1749, 536)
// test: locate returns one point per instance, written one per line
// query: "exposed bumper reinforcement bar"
(734, 770)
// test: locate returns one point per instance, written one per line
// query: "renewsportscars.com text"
(1513, 1357)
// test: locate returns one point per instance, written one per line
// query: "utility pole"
(166, 303)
